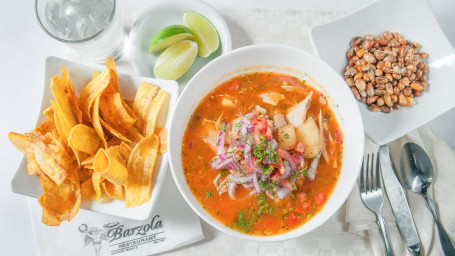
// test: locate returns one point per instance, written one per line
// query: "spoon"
(417, 174)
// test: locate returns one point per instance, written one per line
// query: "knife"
(398, 202)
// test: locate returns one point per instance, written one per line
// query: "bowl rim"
(176, 167)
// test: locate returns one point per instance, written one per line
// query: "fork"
(371, 192)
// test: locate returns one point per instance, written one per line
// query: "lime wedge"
(167, 36)
(176, 60)
(205, 34)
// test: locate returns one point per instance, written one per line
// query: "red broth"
(259, 213)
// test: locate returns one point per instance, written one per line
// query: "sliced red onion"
(224, 163)
(220, 143)
(301, 160)
(313, 166)
(286, 156)
(256, 184)
(239, 180)
(215, 162)
(282, 192)
(288, 171)
(231, 189)
(273, 144)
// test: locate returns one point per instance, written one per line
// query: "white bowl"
(414, 20)
(287, 60)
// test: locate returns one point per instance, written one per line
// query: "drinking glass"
(92, 28)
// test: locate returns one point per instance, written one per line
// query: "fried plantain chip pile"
(99, 146)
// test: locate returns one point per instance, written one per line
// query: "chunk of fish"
(308, 134)
(297, 114)
(272, 98)
(227, 102)
(279, 121)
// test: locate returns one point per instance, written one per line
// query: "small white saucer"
(164, 13)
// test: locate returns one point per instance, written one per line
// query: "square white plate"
(416, 22)
(80, 75)
(163, 13)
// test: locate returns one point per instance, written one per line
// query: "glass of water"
(90, 27)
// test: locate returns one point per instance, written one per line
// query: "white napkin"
(363, 222)
(172, 224)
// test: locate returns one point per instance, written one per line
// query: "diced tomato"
(301, 196)
(289, 205)
(305, 205)
(300, 210)
(276, 175)
(319, 198)
(254, 121)
(292, 219)
(280, 153)
(256, 138)
(300, 147)
(294, 157)
(268, 133)
(287, 184)
(338, 136)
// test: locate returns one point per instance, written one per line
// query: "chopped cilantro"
(286, 136)
(244, 223)
(208, 194)
(304, 172)
(263, 205)
(223, 127)
(223, 172)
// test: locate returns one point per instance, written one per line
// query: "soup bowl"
(285, 60)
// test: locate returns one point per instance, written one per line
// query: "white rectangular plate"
(415, 21)
(80, 75)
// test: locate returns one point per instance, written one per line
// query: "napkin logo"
(94, 235)
(115, 231)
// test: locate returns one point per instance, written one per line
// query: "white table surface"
(24, 47)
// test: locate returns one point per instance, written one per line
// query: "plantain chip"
(144, 96)
(88, 191)
(134, 135)
(97, 121)
(59, 202)
(46, 163)
(154, 111)
(114, 132)
(141, 165)
(112, 190)
(97, 179)
(84, 138)
(49, 113)
(113, 83)
(63, 104)
(92, 91)
(162, 134)
(110, 167)
(32, 166)
(116, 112)
(68, 88)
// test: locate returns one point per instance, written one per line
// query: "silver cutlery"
(371, 193)
(398, 202)
(417, 174)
